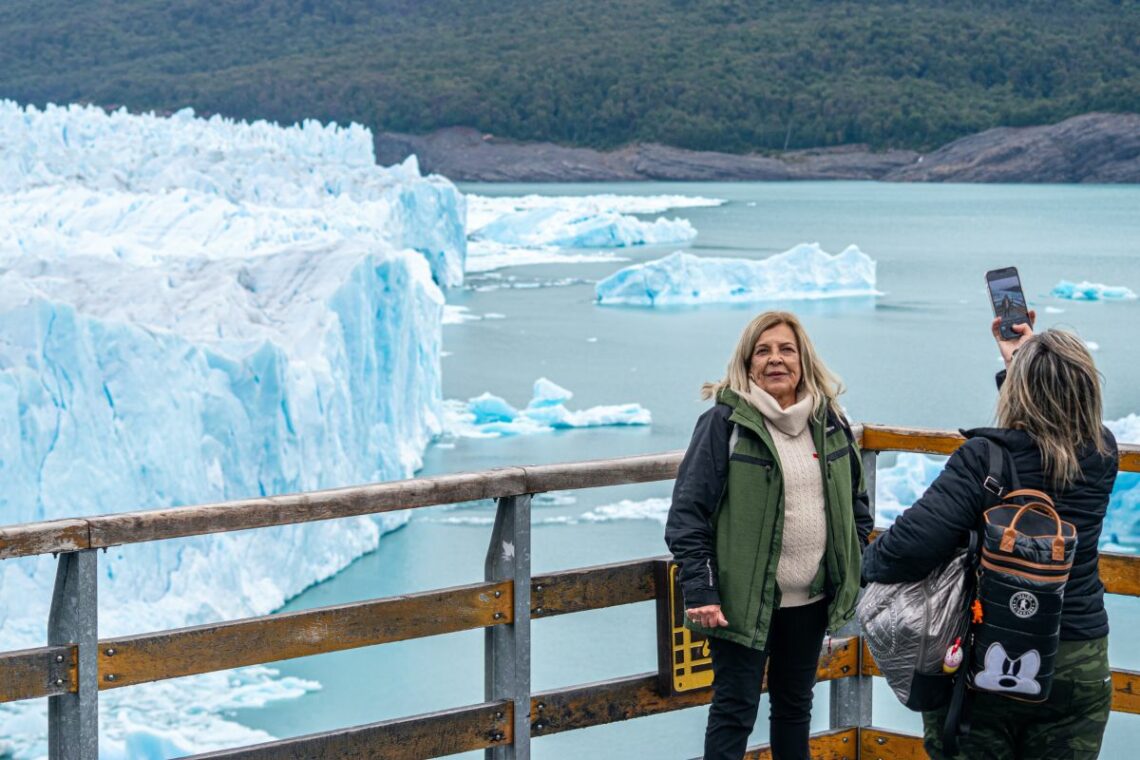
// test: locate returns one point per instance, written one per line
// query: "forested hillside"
(729, 75)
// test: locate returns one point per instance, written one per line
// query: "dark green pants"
(1068, 726)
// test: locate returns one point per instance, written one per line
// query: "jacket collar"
(745, 414)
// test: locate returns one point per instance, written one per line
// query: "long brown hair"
(816, 379)
(1052, 391)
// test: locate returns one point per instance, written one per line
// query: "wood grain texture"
(1129, 457)
(640, 695)
(40, 672)
(1120, 573)
(603, 472)
(591, 588)
(158, 524)
(839, 744)
(202, 649)
(879, 744)
(867, 666)
(1126, 691)
(53, 536)
(927, 441)
(441, 733)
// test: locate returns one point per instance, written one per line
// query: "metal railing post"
(851, 696)
(73, 719)
(507, 658)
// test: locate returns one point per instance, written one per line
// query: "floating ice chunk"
(487, 255)
(488, 416)
(569, 228)
(482, 210)
(491, 408)
(804, 272)
(1092, 345)
(515, 231)
(548, 393)
(1053, 310)
(628, 509)
(1092, 291)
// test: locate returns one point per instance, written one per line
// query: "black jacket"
(928, 533)
(699, 488)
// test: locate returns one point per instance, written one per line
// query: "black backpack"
(1026, 553)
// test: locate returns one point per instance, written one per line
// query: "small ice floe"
(1053, 310)
(490, 416)
(1092, 291)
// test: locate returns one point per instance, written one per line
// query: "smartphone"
(1008, 299)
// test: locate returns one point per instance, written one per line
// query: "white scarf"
(791, 421)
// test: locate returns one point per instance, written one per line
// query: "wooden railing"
(76, 664)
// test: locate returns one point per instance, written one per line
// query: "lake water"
(919, 355)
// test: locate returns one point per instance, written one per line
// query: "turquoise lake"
(919, 355)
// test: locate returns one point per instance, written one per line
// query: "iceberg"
(195, 311)
(532, 229)
(804, 272)
(1091, 291)
(489, 416)
(568, 228)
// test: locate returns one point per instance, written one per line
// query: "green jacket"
(726, 522)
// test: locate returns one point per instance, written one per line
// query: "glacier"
(490, 416)
(1091, 291)
(804, 272)
(533, 229)
(198, 310)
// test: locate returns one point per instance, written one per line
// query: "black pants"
(792, 655)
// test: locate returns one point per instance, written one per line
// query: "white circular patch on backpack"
(1023, 604)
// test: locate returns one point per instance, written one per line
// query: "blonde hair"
(1052, 391)
(815, 379)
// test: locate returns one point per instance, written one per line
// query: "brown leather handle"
(1039, 495)
(1044, 507)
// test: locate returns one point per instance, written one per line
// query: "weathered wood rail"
(503, 605)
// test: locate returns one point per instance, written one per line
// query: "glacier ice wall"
(325, 173)
(201, 310)
(804, 272)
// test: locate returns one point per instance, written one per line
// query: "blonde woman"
(1049, 420)
(768, 520)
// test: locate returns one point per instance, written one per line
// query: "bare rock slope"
(1095, 147)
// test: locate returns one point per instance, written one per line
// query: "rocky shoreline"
(1092, 148)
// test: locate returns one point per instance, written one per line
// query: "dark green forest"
(730, 75)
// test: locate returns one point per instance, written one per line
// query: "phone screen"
(1009, 300)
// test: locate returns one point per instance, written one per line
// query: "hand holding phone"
(1008, 300)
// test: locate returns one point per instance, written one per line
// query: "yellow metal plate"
(692, 663)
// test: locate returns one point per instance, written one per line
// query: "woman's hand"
(1024, 333)
(708, 616)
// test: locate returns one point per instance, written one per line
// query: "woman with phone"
(768, 520)
(1049, 421)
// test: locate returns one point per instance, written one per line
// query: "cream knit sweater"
(805, 523)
